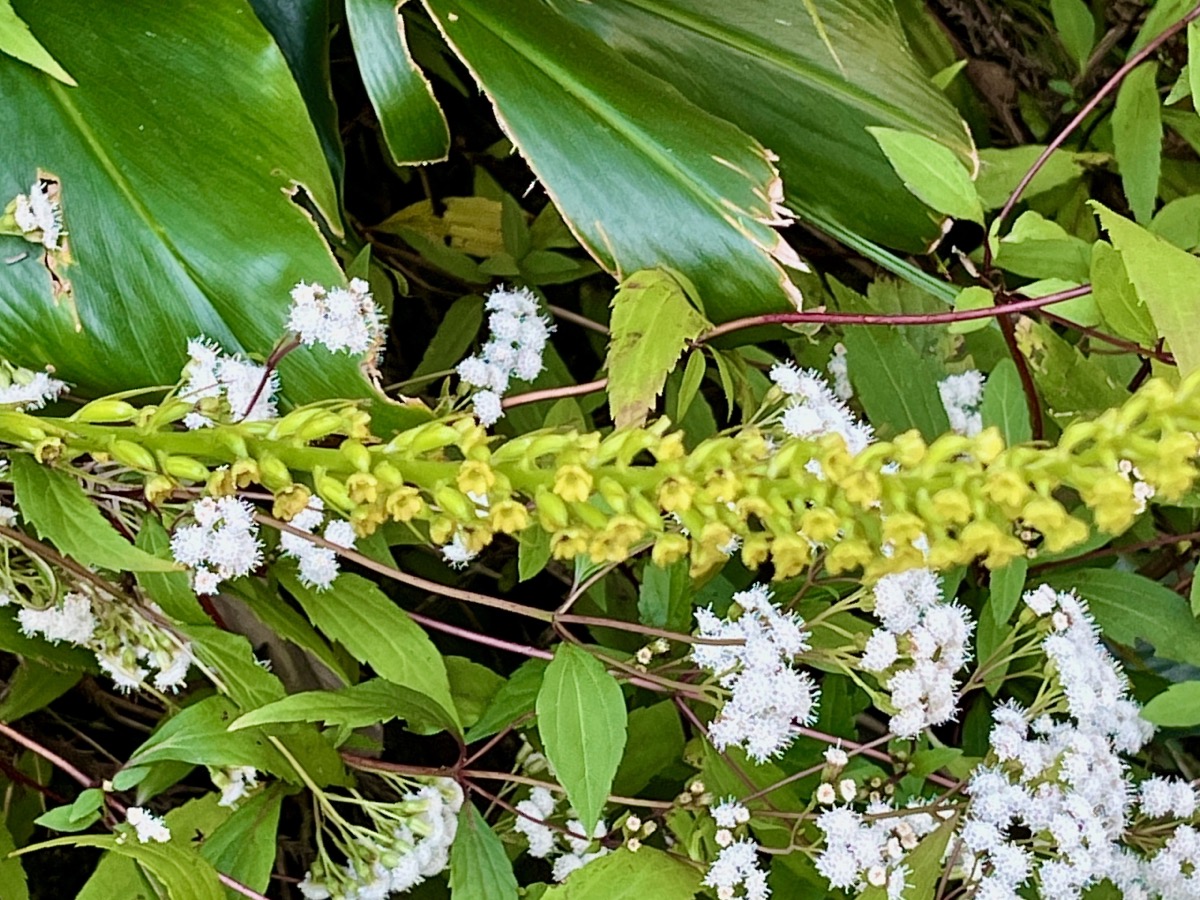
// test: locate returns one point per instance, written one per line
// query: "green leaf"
(244, 845)
(1137, 138)
(533, 552)
(76, 816)
(182, 872)
(515, 698)
(1130, 607)
(1000, 170)
(1121, 309)
(765, 68)
(582, 723)
(473, 686)
(597, 129)
(376, 631)
(454, 336)
(479, 867)
(357, 706)
(655, 743)
(230, 655)
(1176, 707)
(897, 385)
(625, 875)
(172, 591)
(1165, 279)
(1193, 63)
(1005, 586)
(1070, 383)
(689, 386)
(33, 686)
(1039, 248)
(17, 41)
(972, 298)
(218, 246)
(1179, 222)
(1004, 404)
(1194, 597)
(652, 322)
(1076, 28)
(932, 172)
(409, 115)
(12, 874)
(663, 600)
(55, 504)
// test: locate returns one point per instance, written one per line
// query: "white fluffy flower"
(147, 826)
(840, 370)
(814, 409)
(962, 396)
(317, 566)
(223, 543)
(339, 318)
(39, 215)
(24, 389)
(234, 387)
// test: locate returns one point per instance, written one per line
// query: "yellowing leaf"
(652, 322)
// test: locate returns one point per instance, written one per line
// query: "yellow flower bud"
(675, 494)
(845, 556)
(903, 528)
(551, 510)
(791, 554)
(908, 449)
(367, 518)
(568, 544)
(820, 524)
(404, 503)
(952, 506)
(1045, 514)
(388, 475)
(1067, 535)
(363, 487)
(293, 422)
(273, 474)
(356, 454)
(157, 489)
(573, 483)
(668, 549)
(509, 517)
(862, 488)
(290, 501)
(756, 549)
(332, 491)
(130, 454)
(670, 447)
(475, 477)
(442, 529)
(186, 468)
(987, 445)
(102, 411)
(455, 503)
(1007, 489)
(322, 424)
(614, 494)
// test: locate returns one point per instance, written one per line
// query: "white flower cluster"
(395, 862)
(570, 851)
(1143, 491)
(736, 865)
(868, 850)
(962, 395)
(839, 368)
(26, 389)
(39, 215)
(318, 566)
(147, 826)
(340, 318)
(222, 544)
(769, 698)
(234, 783)
(813, 409)
(1065, 783)
(516, 341)
(918, 627)
(127, 645)
(225, 386)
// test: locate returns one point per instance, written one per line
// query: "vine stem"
(569, 390)
(942, 318)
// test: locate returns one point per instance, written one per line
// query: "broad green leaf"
(13, 885)
(655, 744)
(1076, 28)
(409, 115)
(515, 698)
(182, 872)
(454, 336)
(218, 247)
(652, 322)
(625, 875)
(897, 385)
(33, 686)
(1165, 279)
(1179, 222)
(763, 66)
(473, 687)
(597, 130)
(1004, 403)
(1069, 383)
(1001, 169)
(479, 867)
(582, 723)
(1005, 589)
(17, 41)
(376, 631)
(1120, 307)
(1038, 248)
(357, 706)
(1176, 707)
(974, 297)
(238, 672)
(663, 596)
(1081, 310)
(79, 815)
(1137, 138)
(932, 172)
(54, 503)
(244, 845)
(1130, 607)
(533, 552)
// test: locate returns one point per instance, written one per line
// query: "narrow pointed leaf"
(17, 41)
(1137, 139)
(479, 867)
(932, 172)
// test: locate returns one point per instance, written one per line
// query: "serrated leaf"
(652, 322)
(932, 172)
(515, 698)
(376, 631)
(1005, 587)
(1137, 138)
(183, 872)
(17, 41)
(1130, 607)
(232, 658)
(55, 504)
(625, 875)
(1176, 707)
(897, 385)
(1117, 300)
(244, 845)
(412, 122)
(582, 723)
(597, 129)
(357, 706)
(479, 867)
(473, 686)
(1004, 404)
(1076, 28)
(1179, 222)
(1165, 279)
